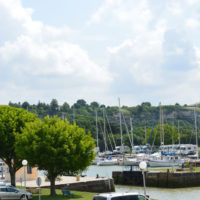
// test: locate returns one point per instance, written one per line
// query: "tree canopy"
(143, 117)
(12, 120)
(56, 146)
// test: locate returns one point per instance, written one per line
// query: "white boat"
(127, 162)
(107, 162)
(166, 161)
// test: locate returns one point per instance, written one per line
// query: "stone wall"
(158, 179)
(97, 186)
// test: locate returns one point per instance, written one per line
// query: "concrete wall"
(158, 179)
(96, 186)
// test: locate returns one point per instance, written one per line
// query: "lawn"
(76, 195)
(45, 195)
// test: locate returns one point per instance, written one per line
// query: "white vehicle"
(185, 148)
(120, 196)
(121, 149)
(166, 161)
(10, 192)
(136, 149)
(178, 148)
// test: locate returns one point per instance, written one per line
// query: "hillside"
(143, 118)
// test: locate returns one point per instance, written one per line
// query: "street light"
(24, 163)
(143, 166)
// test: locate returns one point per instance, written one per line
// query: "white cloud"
(98, 15)
(148, 49)
(45, 54)
(192, 23)
(175, 8)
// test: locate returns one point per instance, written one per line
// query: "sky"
(100, 50)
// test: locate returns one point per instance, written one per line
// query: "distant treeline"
(143, 118)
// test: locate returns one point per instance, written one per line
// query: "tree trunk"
(53, 191)
(12, 176)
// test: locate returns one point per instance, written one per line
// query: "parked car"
(120, 196)
(10, 192)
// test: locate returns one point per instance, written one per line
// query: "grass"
(45, 195)
(195, 169)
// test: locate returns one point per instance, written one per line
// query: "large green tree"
(12, 120)
(57, 147)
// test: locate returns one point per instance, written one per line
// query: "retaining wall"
(158, 179)
(98, 186)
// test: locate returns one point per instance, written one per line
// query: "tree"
(54, 107)
(170, 134)
(25, 105)
(12, 120)
(57, 147)
(94, 104)
(65, 107)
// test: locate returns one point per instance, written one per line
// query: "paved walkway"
(64, 180)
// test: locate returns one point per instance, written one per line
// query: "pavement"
(63, 180)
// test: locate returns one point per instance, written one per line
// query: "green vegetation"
(194, 169)
(12, 120)
(55, 146)
(76, 195)
(176, 119)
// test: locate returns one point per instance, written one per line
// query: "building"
(30, 173)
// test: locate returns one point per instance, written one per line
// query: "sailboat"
(195, 162)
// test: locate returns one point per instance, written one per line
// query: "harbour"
(154, 192)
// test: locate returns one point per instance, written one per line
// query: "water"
(103, 171)
(156, 193)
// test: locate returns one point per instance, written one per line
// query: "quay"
(87, 184)
(157, 179)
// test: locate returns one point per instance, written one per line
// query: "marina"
(155, 193)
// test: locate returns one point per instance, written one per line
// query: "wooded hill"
(178, 121)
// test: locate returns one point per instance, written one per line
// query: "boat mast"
(104, 130)
(161, 140)
(131, 124)
(97, 131)
(163, 132)
(179, 135)
(195, 123)
(145, 132)
(120, 123)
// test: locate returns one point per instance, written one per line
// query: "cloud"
(38, 56)
(175, 8)
(156, 56)
(97, 16)
(149, 50)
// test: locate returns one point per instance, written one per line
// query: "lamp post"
(143, 166)
(24, 163)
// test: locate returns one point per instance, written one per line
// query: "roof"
(116, 194)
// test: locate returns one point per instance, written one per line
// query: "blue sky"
(100, 50)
